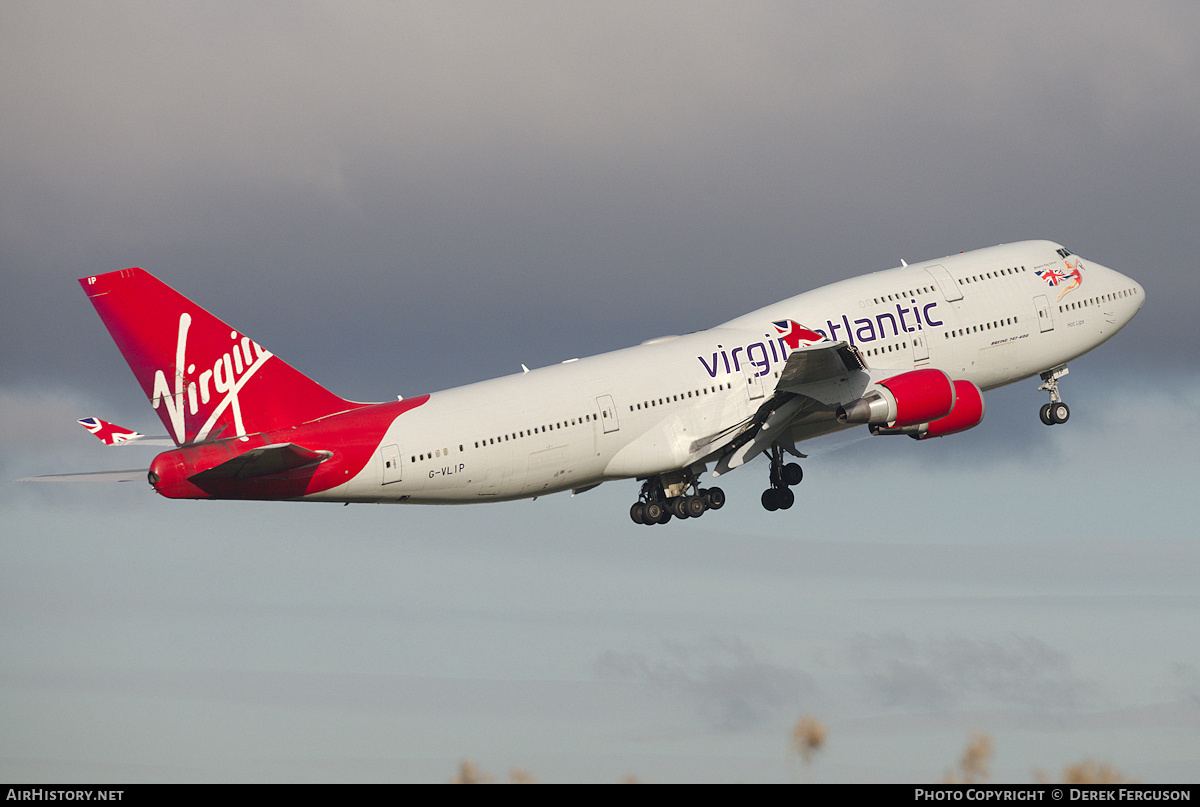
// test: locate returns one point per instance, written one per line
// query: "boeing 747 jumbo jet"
(907, 351)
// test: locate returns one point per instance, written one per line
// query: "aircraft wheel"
(769, 500)
(665, 517)
(792, 474)
(1059, 412)
(638, 513)
(785, 498)
(678, 507)
(652, 513)
(695, 506)
(1044, 414)
(714, 498)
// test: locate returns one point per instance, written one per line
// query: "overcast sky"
(401, 197)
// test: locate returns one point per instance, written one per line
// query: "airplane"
(904, 351)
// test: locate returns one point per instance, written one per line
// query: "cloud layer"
(400, 197)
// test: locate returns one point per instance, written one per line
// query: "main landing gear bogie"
(783, 477)
(655, 506)
(778, 499)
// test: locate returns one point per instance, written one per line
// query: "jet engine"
(908, 399)
(967, 414)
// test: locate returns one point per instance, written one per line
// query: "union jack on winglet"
(108, 433)
(113, 435)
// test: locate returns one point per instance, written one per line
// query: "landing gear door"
(608, 413)
(391, 464)
(1045, 321)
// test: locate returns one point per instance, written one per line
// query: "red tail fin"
(206, 380)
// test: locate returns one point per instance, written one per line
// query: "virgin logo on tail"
(228, 374)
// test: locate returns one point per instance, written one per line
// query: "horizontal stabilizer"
(277, 458)
(113, 435)
(136, 475)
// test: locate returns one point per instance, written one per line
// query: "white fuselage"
(985, 316)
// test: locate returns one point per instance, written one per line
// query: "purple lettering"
(925, 311)
(712, 371)
(763, 364)
(736, 365)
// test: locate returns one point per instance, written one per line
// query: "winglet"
(113, 435)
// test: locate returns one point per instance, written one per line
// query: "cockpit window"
(1063, 252)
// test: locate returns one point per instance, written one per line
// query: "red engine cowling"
(967, 414)
(908, 399)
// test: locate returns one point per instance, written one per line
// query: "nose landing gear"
(1056, 411)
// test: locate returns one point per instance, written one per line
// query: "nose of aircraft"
(1128, 292)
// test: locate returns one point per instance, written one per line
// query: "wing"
(815, 365)
(814, 381)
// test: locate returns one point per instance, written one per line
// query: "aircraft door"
(1043, 308)
(608, 413)
(390, 455)
(945, 282)
(920, 348)
(754, 387)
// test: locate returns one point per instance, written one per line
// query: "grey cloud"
(733, 688)
(1186, 679)
(954, 671)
